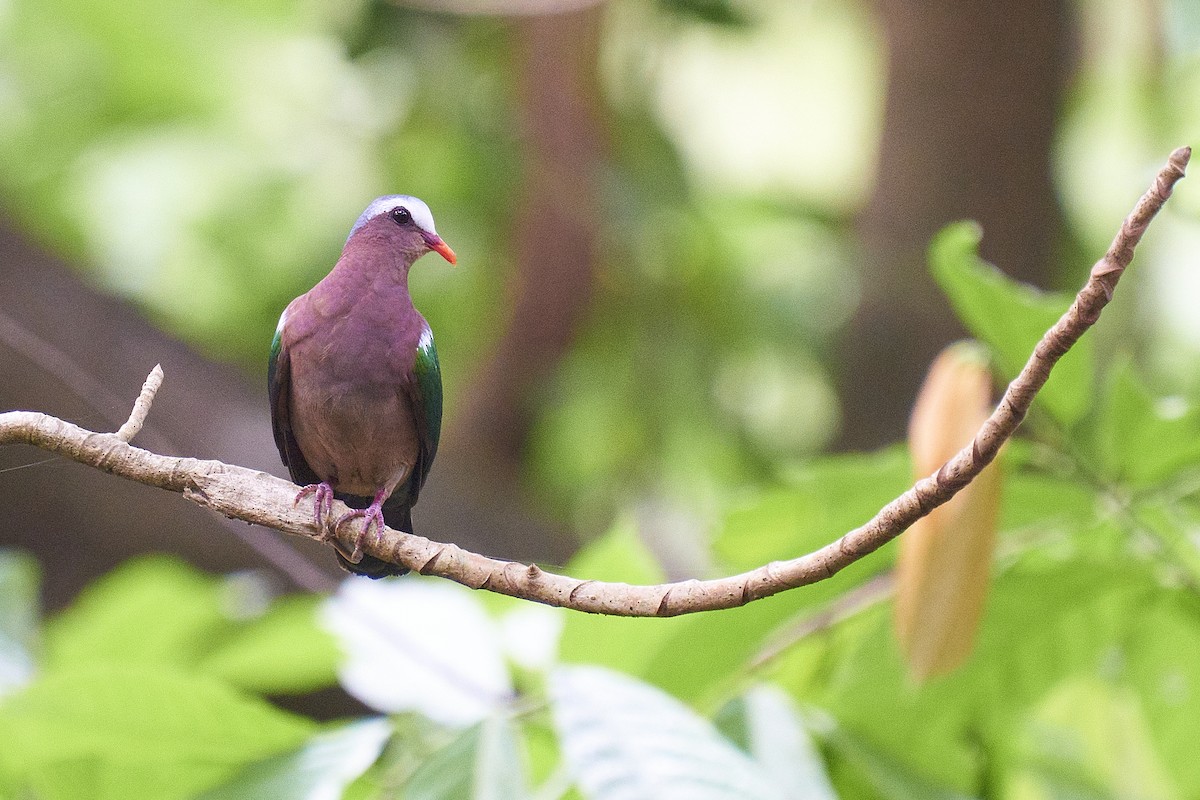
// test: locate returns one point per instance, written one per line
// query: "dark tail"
(398, 515)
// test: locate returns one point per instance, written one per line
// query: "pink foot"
(322, 505)
(372, 515)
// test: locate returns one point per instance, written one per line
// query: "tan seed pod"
(945, 558)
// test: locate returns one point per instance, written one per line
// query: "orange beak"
(441, 248)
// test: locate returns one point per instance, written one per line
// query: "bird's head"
(405, 223)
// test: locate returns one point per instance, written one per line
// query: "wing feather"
(279, 388)
(425, 397)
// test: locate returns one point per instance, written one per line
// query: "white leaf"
(626, 740)
(320, 770)
(419, 645)
(483, 763)
(776, 738)
(531, 635)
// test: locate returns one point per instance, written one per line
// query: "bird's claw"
(322, 507)
(372, 516)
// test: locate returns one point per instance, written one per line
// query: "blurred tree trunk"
(71, 351)
(974, 91)
(555, 235)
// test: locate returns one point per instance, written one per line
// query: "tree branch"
(263, 499)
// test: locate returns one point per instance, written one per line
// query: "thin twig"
(77, 380)
(141, 406)
(263, 499)
(838, 610)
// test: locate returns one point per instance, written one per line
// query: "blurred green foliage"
(1085, 680)
(206, 159)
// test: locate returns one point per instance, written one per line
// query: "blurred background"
(691, 313)
(692, 234)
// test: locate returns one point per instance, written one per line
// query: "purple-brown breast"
(352, 342)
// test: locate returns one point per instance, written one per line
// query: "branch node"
(431, 564)
(664, 604)
(196, 494)
(925, 489)
(575, 591)
(746, 594)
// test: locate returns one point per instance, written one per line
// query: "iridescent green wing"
(426, 397)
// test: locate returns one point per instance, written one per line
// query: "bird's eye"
(401, 215)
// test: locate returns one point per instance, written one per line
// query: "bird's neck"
(382, 275)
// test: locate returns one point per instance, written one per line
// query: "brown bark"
(973, 95)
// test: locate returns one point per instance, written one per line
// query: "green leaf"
(619, 555)
(1048, 618)
(820, 502)
(1010, 317)
(888, 777)
(321, 769)
(855, 672)
(722, 13)
(159, 610)
(539, 742)
(483, 763)
(817, 503)
(624, 739)
(133, 732)
(765, 724)
(148, 610)
(1044, 502)
(1157, 656)
(1141, 441)
(19, 617)
(285, 651)
(1090, 738)
(719, 643)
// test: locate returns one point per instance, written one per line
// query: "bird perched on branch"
(355, 385)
